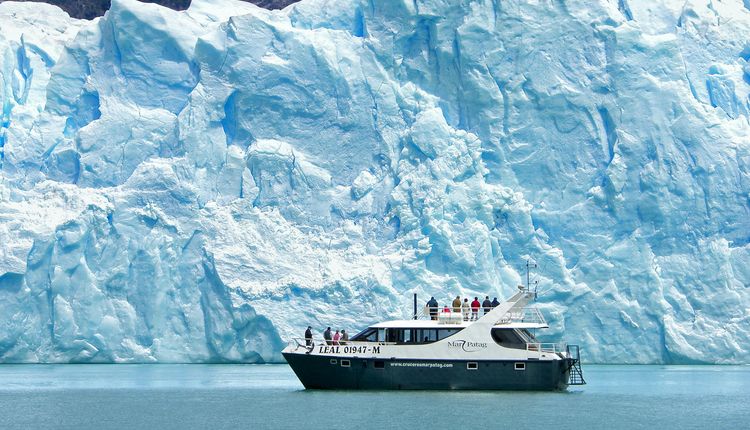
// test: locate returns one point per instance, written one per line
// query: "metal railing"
(525, 315)
(536, 349)
(298, 343)
(449, 315)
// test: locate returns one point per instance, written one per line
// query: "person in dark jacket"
(327, 336)
(432, 304)
(495, 302)
(308, 336)
(486, 304)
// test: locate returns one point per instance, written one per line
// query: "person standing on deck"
(475, 305)
(327, 336)
(308, 336)
(457, 304)
(344, 337)
(336, 338)
(465, 309)
(495, 303)
(432, 304)
(486, 304)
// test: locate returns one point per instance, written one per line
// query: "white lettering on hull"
(414, 364)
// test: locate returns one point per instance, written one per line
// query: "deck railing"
(525, 315)
(297, 343)
(536, 349)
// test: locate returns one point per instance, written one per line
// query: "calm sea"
(260, 397)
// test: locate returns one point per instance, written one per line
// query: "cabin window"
(508, 338)
(399, 335)
(446, 332)
(472, 365)
(334, 361)
(426, 335)
(520, 366)
(379, 364)
(367, 335)
(346, 363)
(525, 335)
(404, 335)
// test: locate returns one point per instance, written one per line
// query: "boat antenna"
(529, 266)
(415, 305)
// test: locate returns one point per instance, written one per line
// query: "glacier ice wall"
(201, 185)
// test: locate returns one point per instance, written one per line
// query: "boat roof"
(445, 324)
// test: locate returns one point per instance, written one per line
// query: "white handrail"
(297, 342)
(536, 349)
(525, 315)
(449, 314)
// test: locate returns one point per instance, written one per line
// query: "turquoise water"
(259, 397)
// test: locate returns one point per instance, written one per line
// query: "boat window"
(445, 332)
(379, 364)
(472, 365)
(367, 335)
(404, 335)
(520, 366)
(508, 338)
(400, 335)
(426, 335)
(346, 363)
(525, 335)
(333, 361)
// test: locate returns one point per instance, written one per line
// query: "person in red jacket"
(475, 305)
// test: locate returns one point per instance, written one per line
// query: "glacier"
(199, 186)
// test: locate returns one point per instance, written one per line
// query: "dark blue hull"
(325, 372)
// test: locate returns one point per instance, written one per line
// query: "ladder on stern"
(576, 373)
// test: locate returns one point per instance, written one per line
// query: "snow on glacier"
(202, 185)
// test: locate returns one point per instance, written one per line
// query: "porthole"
(346, 363)
(472, 365)
(334, 361)
(520, 366)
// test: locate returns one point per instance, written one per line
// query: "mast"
(529, 266)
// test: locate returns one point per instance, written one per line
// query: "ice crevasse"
(199, 186)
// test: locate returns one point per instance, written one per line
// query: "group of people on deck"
(469, 311)
(338, 338)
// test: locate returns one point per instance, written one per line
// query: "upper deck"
(526, 318)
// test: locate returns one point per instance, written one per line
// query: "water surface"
(270, 396)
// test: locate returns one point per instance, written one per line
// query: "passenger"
(327, 336)
(465, 309)
(475, 305)
(495, 303)
(344, 337)
(336, 338)
(446, 309)
(308, 336)
(432, 304)
(486, 304)
(457, 304)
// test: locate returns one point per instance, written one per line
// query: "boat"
(440, 349)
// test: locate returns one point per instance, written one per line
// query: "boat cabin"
(411, 332)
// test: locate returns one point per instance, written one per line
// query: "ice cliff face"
(199, 185)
